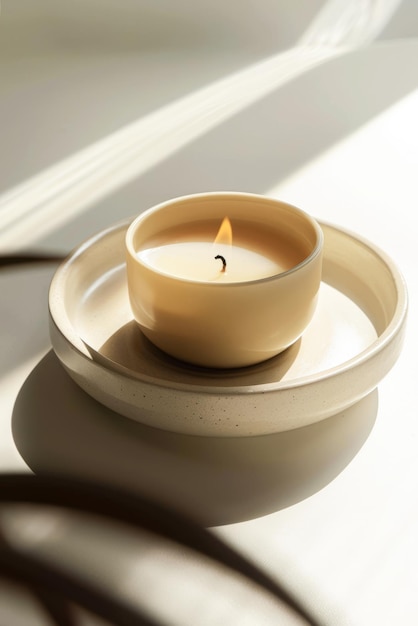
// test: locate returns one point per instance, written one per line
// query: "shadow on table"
(59, 429)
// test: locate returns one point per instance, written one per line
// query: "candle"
(206, 262)
(193, 257)
(223, 297)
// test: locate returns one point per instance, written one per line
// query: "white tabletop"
(330, 509)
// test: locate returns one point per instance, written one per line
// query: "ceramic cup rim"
(218, 195)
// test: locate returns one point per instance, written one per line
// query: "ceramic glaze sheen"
(214, 322)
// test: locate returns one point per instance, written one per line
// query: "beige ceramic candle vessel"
(216, 321)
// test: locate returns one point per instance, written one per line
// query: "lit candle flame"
(224, 233)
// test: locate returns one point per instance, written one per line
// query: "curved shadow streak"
(128, 349)
(59, 429)
(269, 140)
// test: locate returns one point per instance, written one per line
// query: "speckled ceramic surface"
(352, 342)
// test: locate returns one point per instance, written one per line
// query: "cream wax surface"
(255, 254)
(200, 261)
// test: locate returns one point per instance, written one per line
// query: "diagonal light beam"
(44, 202)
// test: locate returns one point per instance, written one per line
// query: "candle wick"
(219, 256)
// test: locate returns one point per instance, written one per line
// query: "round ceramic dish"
(352, 342)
